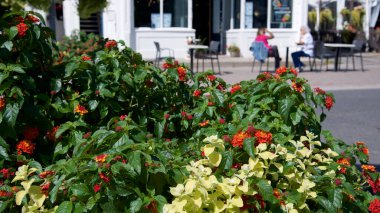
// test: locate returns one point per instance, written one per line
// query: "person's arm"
(270, 36)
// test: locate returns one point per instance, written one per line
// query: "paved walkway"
(235, 70)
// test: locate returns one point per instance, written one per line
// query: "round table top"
(339, 45)
(197, 46)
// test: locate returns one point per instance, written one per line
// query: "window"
(256, 13)
(175, 13)
(149, 14)
(281, 14)
(236, 14)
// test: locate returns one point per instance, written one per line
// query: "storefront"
(171, 22)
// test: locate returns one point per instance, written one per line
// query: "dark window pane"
(147, 13)
(281, 14)
(256, 12)
(175, 13)
(237, 14)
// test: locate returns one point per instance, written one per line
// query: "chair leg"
(203, 65)
(327, 63)
(347, 63)
(197, 65)
(268, 64)
(361, 61)
(261, 65)
(253, 64)
(217, 59)
(311, 66)
(320, 67)
(353, 62)
(212, 65)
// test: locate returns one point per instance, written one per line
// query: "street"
(356, 117)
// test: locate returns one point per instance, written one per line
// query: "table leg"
(287, 57)
(336, 59)
(191, 60)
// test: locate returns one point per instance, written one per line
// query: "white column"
(339, 20)
(161, 14)
(129, 19)
(242, 14)
(232, 14)
(71, 21)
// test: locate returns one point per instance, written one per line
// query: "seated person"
(306, 40)
(272, 50)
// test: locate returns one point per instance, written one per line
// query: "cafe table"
(338, 47)
(191, 48)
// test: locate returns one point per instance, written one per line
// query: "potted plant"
(233, 50)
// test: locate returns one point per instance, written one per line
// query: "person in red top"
(263, 34)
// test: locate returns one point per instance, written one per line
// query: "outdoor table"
(338, 47)
(193, 47)
(287, 53)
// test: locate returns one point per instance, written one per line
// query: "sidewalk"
(235, 70)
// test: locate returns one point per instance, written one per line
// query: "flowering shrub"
(107, 131)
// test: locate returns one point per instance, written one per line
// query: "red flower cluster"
(297, 86)
(86, 58)
(110, 44)
(19, 19)
(25, 146)
(97, 187)
(369, 168)
(31, 133)
(211, 77)
(186, 116)
(344, 161)
(104, 177)
(263, 137)
(46, 174)
(167, 116)
(374, 206)
(51, 134)
(319, 91)
(235, 88)
(329, 102)
(80, 110)
(2, 102)
(220, 87)
(197, 93)
(238, 139)
(167, 66)
(32, 18)
(5, 193)
(362, 147)
(181, 73)
(281, 70)
(22, 28)
(45, 188)
(6, 173)
(264, 76)
(101, 158)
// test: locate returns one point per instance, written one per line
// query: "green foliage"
(88, 7)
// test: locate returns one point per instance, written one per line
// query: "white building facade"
(171, 22)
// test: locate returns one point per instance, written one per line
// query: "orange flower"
(369, 168)
(264, 76)
(80, 109)
(204, 123)
(45, 188)
(281, 70)
(22, 28)
(329, 102)
(110, 44)
(365, 151)
(294, 71)
(263, 137)
(101, 158)
(4, 193)
(238, 139)
(25, 146)
(344, 161)
(2, 102)
(31, 133)
(45, 174)
(181, 73)
(277, 193)
(235, 88)
(297, 86)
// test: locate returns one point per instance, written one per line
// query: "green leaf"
(227, 160)
(3, 149)
(136, 205)
(327, 205)
(8, 45)
(266, 190)
(140, 74)
(335, 197)
(56, 85)
(284, 107)
(4, 205)
(63, 128)
(65, 207)
(159, 129)
(134, 159)
(80, 190)
(10, 114)
(3, 76)
(295, 117)
(218, 96)
(37, 31)
(70, 68)
(249, 146)
(13, 31)
(93, 104)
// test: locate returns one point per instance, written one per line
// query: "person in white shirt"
(306, 40)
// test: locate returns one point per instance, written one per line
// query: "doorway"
(202, 20)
